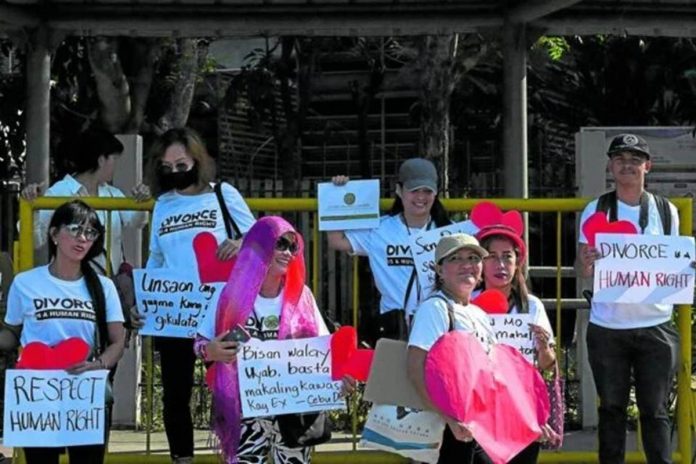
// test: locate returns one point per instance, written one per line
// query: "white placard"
(354, 205)
(173, 302)
(423, 250)
(287, 376)
(49, 408)
(514, 330)
(644, 269)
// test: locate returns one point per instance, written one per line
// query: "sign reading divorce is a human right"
(173, 301)
(53, 408)
(287, 376)
(644, 269)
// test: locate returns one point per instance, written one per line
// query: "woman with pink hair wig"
(266, 295)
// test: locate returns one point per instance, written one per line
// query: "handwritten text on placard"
(644, 269)
(172, 301)
(513, 330)
(287, 376)
(423, 250)
(54, 408)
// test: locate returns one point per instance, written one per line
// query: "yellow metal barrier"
(558, 206)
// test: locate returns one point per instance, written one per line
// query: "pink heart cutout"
(38, 355)
(597, 223)
(492, 301)
(210, 268)
(346, 358)
(499, 396)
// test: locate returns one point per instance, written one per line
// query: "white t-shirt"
(263, 322)
(177, 219)
(537, 313)
(68, 186)
(388, 248)
(628, 315)
(432, 321)
(51, 310)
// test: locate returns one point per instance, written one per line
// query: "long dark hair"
(519, 293)
(78, 212)
(438, 213)
(86, 148)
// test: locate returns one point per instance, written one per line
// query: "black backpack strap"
(450, 310)
(227, 217)
(665, 212)
(607, 203)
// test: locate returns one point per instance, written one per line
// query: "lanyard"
(414, 275)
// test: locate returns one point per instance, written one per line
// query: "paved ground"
(128, 441)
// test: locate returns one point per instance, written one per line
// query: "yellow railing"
(558, 206)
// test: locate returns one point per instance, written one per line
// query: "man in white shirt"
(626, 340)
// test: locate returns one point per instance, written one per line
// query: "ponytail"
(96, 292)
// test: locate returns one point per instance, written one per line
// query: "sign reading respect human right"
(287, 376)
(173, 301)
(644, 269)
(54, 408)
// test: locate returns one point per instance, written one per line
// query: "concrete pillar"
(515, 163)
(38, 115)
(128, 173)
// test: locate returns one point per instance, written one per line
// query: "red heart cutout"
(346, 358)
(492, 301)
(69, 352)
(486, 214)
(499, 396)
(597, 223)
(210, 268)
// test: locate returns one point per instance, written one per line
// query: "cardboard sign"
(513, 330)
(287, 376)
(173, 301)
(644, 269)
(423, 250)
(53, 408)
(354, 205)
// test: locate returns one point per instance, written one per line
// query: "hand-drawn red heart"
(210, 268)
(500, 397)
(346, 358)
(492, 301)
(597, 223)
(38, 355)
(486, 214)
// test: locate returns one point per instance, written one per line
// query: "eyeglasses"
(89, 233)
(285, 244)
(507, 258)
(632, 161)
(178, 167)
(471, 260)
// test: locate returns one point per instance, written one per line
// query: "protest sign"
(173, 301)
(287, 376)
(644, 269)
(53, 408)
(354, 205)
(423, 250)
(513, 330)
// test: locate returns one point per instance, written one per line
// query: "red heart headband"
(492, 221)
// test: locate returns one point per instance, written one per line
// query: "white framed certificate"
(354, 205)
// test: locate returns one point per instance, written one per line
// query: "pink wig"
(236, 304)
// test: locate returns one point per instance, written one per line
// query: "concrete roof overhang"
(245, 18)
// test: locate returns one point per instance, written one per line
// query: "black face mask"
(178, 180)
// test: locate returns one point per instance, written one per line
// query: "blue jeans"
(651, 355)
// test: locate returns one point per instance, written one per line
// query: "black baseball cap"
(628, 142)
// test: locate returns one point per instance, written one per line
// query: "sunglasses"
(89, 233)
(284, 244)
(178, 167)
